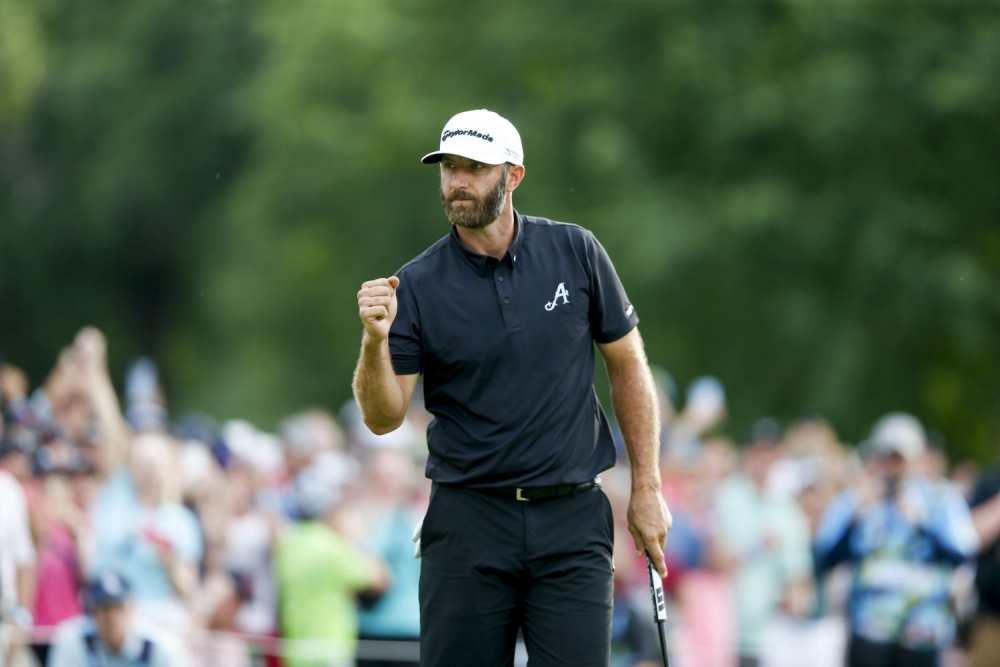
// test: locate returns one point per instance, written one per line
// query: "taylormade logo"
(471, 133)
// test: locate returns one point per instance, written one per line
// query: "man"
(986, 517)
(501, 316)
(17, 550)
(110, 635)
(764, 539)
(320, 572)
(903, 537)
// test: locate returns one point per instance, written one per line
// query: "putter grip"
(656, 589)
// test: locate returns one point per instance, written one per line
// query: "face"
(112, 624)
(473, 194)
(151, 462)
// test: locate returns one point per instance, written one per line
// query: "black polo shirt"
(507, 353)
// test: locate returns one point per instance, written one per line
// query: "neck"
(495, 238)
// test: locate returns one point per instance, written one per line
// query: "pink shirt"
(58, 587)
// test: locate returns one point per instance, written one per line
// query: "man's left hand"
(649, 520)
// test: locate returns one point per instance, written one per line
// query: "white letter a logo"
(560, 292)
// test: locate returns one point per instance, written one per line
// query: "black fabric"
(988, 562)
(863, 653)
(538, 494)
(506, 349)
(491, 566)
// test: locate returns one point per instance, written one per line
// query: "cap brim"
(471, 154)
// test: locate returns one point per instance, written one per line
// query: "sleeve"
(985, 490)
(185, 533)
(834, 534)
(951, 529)
(611, 313)
(350, 565)
(404, 335)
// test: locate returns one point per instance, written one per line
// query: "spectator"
(903, 537)
(141, 529)
(764, 541)
(111, 634)
(319, 572)
(985, 647)
(389, 514)
(17, 557)
(64, 539)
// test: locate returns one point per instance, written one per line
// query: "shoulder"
(538, 227)
(70, 632)
(425, 262)
(10, 489)
(177, 514)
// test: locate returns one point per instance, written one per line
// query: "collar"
(482, 262)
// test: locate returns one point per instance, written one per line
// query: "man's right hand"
(377, 306)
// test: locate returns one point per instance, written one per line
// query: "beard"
(476, 212)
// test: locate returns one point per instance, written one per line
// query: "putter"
(659, 607)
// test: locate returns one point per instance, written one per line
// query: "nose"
(459, 179)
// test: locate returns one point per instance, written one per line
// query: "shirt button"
(506, 300)
(500, 278)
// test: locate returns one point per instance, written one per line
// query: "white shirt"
(69, 647)
(16, 548)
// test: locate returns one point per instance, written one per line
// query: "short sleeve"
(404, 335)
(611, 313)
(182, 527)
(350, 565)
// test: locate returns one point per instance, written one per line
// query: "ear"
(514, 176)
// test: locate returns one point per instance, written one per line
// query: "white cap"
(898, 433)
(480, 135)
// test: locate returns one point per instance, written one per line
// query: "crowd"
(133, 535)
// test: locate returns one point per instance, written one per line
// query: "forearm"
(633, 396)
(376, 387)
(114, 432)
(183, 576)
(27, 585)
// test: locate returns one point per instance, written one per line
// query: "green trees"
(800, 198)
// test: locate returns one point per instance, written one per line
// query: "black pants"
(492, 565)
(863, 653)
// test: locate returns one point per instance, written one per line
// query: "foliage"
(800, 197)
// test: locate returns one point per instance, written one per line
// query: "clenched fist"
(377, 306)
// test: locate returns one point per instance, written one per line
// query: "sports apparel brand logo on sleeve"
(471, 133)
(560, 292)
(628, 311)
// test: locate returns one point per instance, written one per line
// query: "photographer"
(903, 537)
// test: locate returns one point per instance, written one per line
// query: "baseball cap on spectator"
(106, 589)
(897, 433)
(320, 486)
(480, 135)
(259, 450)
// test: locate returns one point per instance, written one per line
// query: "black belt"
(537, 493)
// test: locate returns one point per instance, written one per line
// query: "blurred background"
(801, 199)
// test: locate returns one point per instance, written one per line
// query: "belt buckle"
(520, 497)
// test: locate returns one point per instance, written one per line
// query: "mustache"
(462, 194)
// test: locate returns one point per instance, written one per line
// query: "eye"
(478, 165)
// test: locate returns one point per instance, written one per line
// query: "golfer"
(501, 316)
